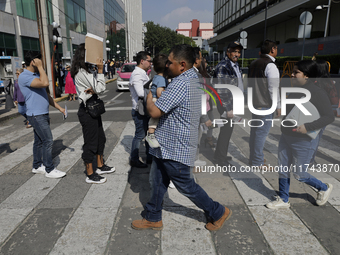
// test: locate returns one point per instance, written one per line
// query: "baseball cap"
(235, 44)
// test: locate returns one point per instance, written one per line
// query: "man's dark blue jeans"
(141, 124)
(43, 141)
(165, 170)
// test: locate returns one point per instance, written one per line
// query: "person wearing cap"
(227, 72)
(264, 80)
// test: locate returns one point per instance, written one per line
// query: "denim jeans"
(141, 124)
(43, 141)
(296, 152)
(164, 170)
(258, 135)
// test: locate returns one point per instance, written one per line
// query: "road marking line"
(128, 108)
(32, 192)
(15, 135)
(276, 225)
(96, 209)
(121, 93)
(10, 161)
(5, 127)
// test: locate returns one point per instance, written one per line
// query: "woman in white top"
(88, 85)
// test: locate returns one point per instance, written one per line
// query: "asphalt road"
(68, 216)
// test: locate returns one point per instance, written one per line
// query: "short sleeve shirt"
(177, 130)
(36, 99)
(158, 82)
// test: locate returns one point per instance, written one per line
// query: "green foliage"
(159, 39)
(333, 59)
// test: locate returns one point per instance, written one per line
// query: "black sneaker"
(95, 178)
(105, 169)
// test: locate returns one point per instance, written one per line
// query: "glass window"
(8, 46)
(242, 3)
(26, 8)
(31, 44)
(76, 15)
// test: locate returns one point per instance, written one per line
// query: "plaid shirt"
(225, 74)
(177, 130)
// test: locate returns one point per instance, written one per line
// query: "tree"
(159, 39)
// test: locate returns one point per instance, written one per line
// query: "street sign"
(306, 17)
(243, 34)
(304, 32)
(244, 43)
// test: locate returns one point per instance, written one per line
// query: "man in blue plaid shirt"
(179, 111)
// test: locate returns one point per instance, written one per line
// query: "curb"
(111, 80)
(59, 99)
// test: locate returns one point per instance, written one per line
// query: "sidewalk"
(8, 114)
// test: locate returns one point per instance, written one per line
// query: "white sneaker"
(55, 174)
(171, 185)
(323, 196)
(151, 139)
(199, 162)
(278, 204)
(40, 170)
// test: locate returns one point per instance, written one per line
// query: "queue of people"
(174, 156)
(173, 133)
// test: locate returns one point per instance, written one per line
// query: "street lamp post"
(265, 21)
(320, 7)
(57, 39)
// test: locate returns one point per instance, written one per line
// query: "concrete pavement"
(68, 216)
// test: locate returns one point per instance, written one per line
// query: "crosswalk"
(67, 216)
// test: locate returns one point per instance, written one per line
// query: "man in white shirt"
(137, 80)
(264, 79)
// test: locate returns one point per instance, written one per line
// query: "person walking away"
(33, 82)
(296, 148)
(88, 85)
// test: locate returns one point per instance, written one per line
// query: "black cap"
(235, 44)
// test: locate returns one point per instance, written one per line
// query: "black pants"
(223, 142)
(93, 133)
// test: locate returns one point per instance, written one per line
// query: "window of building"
(30, 44)
(76, 15)
(8, 45)
(26, 8)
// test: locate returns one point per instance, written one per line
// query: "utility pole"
(40, 8)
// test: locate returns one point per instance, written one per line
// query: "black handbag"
(95, 106)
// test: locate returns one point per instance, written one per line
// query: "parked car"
(124, 75)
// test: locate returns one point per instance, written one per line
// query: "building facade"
(199, 32)
(19, 32)
(283, 21)
(134, 27)
(196, 29)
